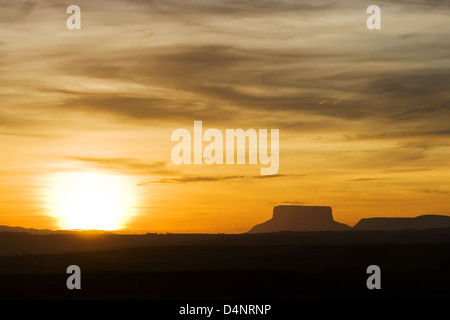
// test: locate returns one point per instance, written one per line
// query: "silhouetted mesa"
(420, 222)
(300, 218)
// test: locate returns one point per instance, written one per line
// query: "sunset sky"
(363, 114)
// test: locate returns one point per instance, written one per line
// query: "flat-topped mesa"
(395, 223)
(300, 218)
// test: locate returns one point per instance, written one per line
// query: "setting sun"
(90, 200)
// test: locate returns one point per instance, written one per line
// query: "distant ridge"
(25, 230)
(391, 224)
(320, 218)
(45, 231)
(300, 218)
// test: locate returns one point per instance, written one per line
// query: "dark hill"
(25, 230)
(300, 218)
(48, 231)
(389, 224)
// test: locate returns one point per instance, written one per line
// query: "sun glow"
(90, 200)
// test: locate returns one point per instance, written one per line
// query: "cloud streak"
(124, 164)
(194, 179)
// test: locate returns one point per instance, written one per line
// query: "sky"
(363, 114)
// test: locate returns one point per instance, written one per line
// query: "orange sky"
(363, 115)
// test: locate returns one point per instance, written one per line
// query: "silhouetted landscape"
(415, 261)
(315, 218)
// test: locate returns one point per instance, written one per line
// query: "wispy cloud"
(192, 179)
(370, 179)
(435, 191)
(125, 164)
(293, 202)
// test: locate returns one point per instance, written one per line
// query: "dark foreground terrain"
(414, 264)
